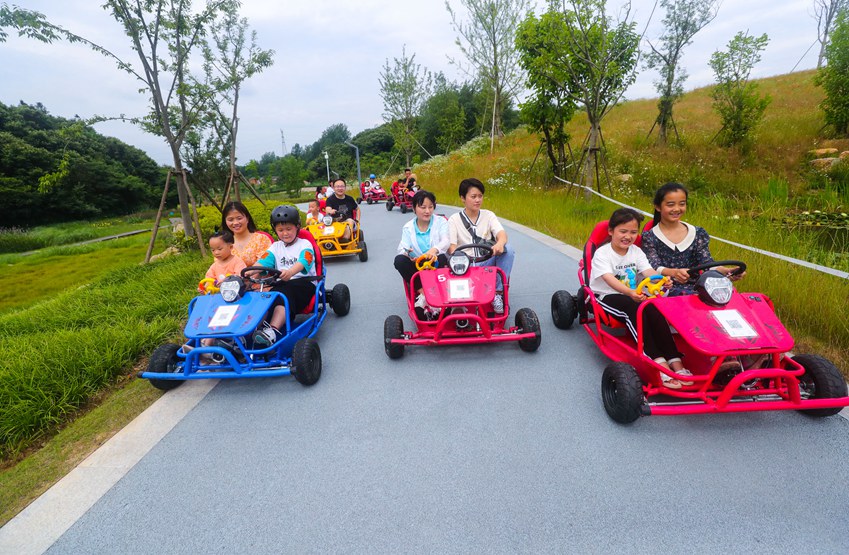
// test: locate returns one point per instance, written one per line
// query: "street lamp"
(357, 152)
(327, 163)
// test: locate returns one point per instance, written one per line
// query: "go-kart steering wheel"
(266, 280)
(741, 267)
(654, 286)
(425, 263)
(482, 246)
(207, 286)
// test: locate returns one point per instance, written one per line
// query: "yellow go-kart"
(330, 238)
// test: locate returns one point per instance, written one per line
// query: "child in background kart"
(424, 235)
(609, 264)
(342, 207)
(475, 225)
(294, 258)
(314, 214)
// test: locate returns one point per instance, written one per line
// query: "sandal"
(674, 383)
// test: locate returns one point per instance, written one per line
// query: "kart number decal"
(734, 324)
(459, 289)
(328, 230)
(223, 316)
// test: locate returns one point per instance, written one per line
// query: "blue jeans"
(503, 261)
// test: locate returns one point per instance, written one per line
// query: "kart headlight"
(714, 288)
(459, 263)
(232, 288)
(327, 220)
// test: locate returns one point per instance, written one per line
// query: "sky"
(328, 58)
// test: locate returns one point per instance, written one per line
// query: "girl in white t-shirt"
(609, 265)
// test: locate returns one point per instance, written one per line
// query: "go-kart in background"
(463, 449)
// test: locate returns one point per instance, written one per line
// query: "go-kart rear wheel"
(306, 361)
(360, 200)
(369, 201)
(340, 299)
(564, 309)
(621, 392)
(389, 205)
(403, 208)
(165, 360)
(527, 322)
(821, 380)
(393, 328)
(363, 254)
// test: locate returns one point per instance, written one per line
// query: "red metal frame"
(373, 196)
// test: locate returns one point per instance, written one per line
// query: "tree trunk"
(590, 165)
(185, 213)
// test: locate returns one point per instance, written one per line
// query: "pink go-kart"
(732, 342)
(371, 196)
(402, 198)
(460, 307)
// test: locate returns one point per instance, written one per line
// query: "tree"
(598, 62)
(443, 119)
(735, 99)
(683, 19)
(404, 88)
(291, 173)
(487, 40)
(834, 76)
(825, 12)
(228, 62)
(549, 107)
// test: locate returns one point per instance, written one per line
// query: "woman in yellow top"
(250, 243)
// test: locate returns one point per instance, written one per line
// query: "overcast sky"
(328, 57)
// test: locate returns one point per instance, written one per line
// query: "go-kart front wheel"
(165, 360)
(564, 309)
(527, 322)
(306, 361)
(621, 392)
(363, 254)
(821, 380)
(389, 205)
(403, 208)
(393, 328)
(340, 299)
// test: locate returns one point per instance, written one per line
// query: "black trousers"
(406, 266)
(657, 339)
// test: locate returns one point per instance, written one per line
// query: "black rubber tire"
(360, 200)
(823, 380)
(369, 201)
(527, 321)
(564, 309)
(393, 328)
(389, 205)
(362, 235)
(363, 254)
(340, 299)
(306, 361)
(621, 392)
(164, 359)
(403, 208)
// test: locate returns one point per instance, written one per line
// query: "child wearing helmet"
(373, 184)
(294, 257)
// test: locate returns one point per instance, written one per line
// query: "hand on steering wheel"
(266, 280)
(488, 251)
(426, 262)
(654, 286)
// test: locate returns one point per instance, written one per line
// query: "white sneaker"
(265, 337)
(498, 303)
(420, 301)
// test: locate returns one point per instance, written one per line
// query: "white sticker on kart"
(458, 289)
(328, 230)
(734, 324)
(223, 316)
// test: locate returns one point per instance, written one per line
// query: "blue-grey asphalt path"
(467, 449)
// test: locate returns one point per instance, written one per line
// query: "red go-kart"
(402, 197)
(371, 196)
(732, 342)
(462, 294)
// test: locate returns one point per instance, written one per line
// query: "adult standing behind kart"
(673, 246)
(475, 225)
(423, 237)
(249, 243)
(342, 207)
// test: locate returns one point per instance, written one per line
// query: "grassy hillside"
(744, 197)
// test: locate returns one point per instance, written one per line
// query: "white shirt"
(486, 227)
(606, 261)
(409, 244)
(285, 256)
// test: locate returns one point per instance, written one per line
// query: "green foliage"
(56, 355)
(735, 99)
(61, 170)
(404, 87)
(834, 77)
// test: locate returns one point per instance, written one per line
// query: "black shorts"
(299, 292)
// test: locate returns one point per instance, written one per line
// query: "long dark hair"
(238, 207)
(661, 193)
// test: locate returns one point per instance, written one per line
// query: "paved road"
(484, 449)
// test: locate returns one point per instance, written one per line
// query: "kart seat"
(598, 237)
(647, 227)
(363, 189)
(319, 265)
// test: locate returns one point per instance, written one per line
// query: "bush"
(834, 76)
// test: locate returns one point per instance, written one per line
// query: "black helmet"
(285, 213)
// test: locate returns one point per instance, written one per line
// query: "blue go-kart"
(230, 320)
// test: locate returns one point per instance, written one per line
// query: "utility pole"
(327, 163)
(283, 140)
(357, 151)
